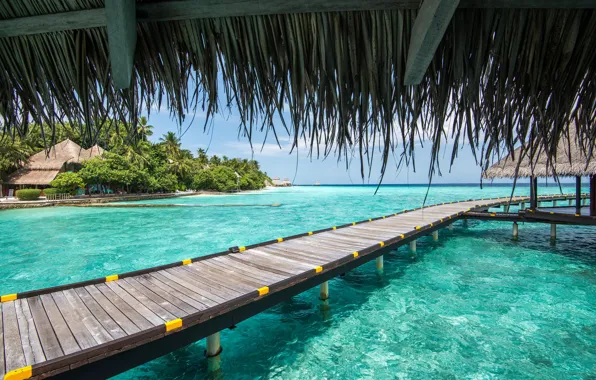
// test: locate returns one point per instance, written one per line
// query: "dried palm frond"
(501, 76)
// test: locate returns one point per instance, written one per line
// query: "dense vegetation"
(140, 166)
(28, 194)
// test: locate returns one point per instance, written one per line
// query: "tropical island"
(118, 163)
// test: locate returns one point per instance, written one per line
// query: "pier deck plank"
(75, 326)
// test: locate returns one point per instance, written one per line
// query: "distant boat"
(317, 183)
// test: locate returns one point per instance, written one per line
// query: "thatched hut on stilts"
(571, 160)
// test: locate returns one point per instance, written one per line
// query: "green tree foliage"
(68, 182)
(134, 164)
(28, 194)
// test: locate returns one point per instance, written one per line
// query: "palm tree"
(144, 129)
(172, 144)
(13, 154)
(202, 157)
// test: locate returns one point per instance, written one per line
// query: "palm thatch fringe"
(570, 161)
(500, 76)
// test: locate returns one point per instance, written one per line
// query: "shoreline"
(100, 200)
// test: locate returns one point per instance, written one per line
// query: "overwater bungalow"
(43, 167)
(570, 160)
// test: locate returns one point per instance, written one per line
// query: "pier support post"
(578, 195)
(522, 205)
(212, 352)
(324, 291)
(465, 222)
(553, 231)
(413, 246)
(515, 230)
(451, 227)
(380, 264)
(436, 235)
(555, 203)
(571, 202)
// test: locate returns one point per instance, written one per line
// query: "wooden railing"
(56, 197)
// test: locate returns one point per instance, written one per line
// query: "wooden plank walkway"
(71, 329)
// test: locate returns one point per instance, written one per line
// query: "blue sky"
(223, 139)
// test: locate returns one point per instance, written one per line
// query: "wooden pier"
(101, 327)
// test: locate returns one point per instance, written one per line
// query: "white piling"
(555, 203)
(413, 246)
(553, 231)
(522, 206)
(380, 264)
(436, 235)
(451, 227)
(213, 345)
(571, 202)
(515, 230)
(324, 291)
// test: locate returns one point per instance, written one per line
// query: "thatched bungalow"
(43, 167)
(349, 74)
(570, 161)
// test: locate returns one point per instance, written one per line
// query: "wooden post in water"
(324, 291)
(213, 345)
(413, 246)
(380, 264)
(533, 192)
(593, 195)
(515, 230)
(436, 235)
(578, 195)
(553, 231)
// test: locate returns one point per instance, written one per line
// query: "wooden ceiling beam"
(429, 27)
(194, 9)
(122, 39)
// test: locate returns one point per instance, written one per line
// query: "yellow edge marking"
(493, 214)
(370, 220)
(441, 220)
(402, 236)
(112, 277)
(353, 223)
(418, 227)
(431, 224)
(186, 261)
(382, 244)
(383, 217)
(242, 249)
(19, 374)
(310, 232)
(318, 269)
(264, 290)
(279, 240)
(334, 228)
(8, 297)
(173, 324)
(355, 254)
(395, 214)
(552, 213)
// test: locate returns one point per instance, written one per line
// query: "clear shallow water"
(474, 305)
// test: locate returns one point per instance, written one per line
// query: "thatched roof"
(570, 161)
(500, 75)
(32, 177)
(65, 152)
(43, 167)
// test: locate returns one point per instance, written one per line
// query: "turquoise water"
(474, 305)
